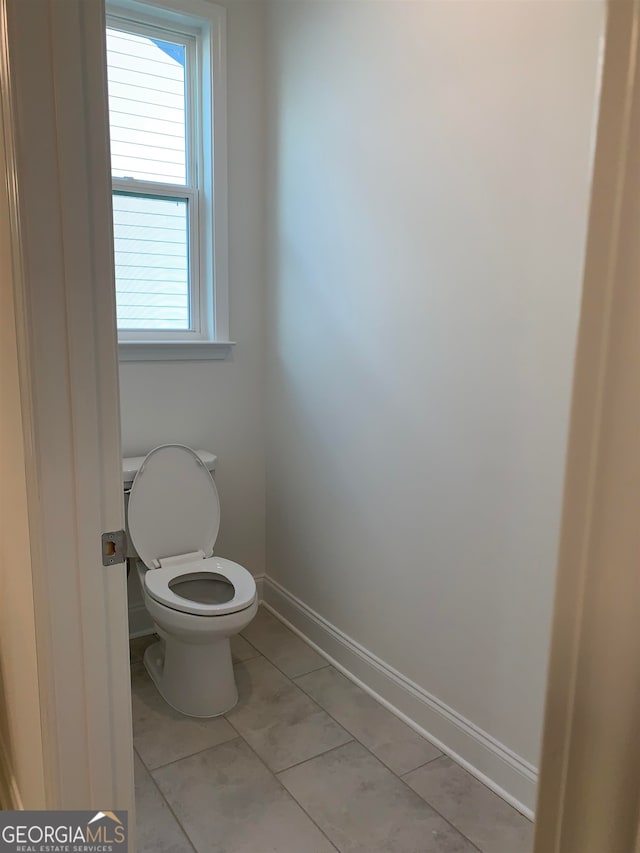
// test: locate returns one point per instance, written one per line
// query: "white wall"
(21, 767)
(429, 181)
(218, 405)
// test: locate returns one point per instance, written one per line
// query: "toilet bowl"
(197, 601)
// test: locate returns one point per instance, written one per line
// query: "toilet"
(197, 601)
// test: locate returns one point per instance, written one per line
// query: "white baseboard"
(141, 624)
(493, 763)
(10, 798)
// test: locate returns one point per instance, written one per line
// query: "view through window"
(154, 192)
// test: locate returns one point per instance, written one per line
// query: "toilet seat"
(158, 583)
(174, 518)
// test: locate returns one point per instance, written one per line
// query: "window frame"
(204, 24)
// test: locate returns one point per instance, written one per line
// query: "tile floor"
(306, 762)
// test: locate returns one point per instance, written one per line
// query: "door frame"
(51, 66)
(589, 787)
(54, 117)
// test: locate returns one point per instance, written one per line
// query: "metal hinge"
(114, 547)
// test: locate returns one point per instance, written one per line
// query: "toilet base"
(195, 679)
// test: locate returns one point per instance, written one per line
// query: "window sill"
(175, 351)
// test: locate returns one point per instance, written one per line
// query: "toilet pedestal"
(210, 690)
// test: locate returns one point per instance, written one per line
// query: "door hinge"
(114, 547)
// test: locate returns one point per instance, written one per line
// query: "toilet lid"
(173, 505)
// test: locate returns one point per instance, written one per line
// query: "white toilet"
(197, 601)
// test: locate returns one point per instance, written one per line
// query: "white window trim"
(208, 20)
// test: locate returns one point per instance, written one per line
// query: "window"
(165, 72)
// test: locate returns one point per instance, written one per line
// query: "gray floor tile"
(364, 808)
(157, 829)
(493, 825)
(281, 646)
(138, 646)
(229, 802)
(161, 734)
(393, 742)
(281, 723)
(241, 649)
